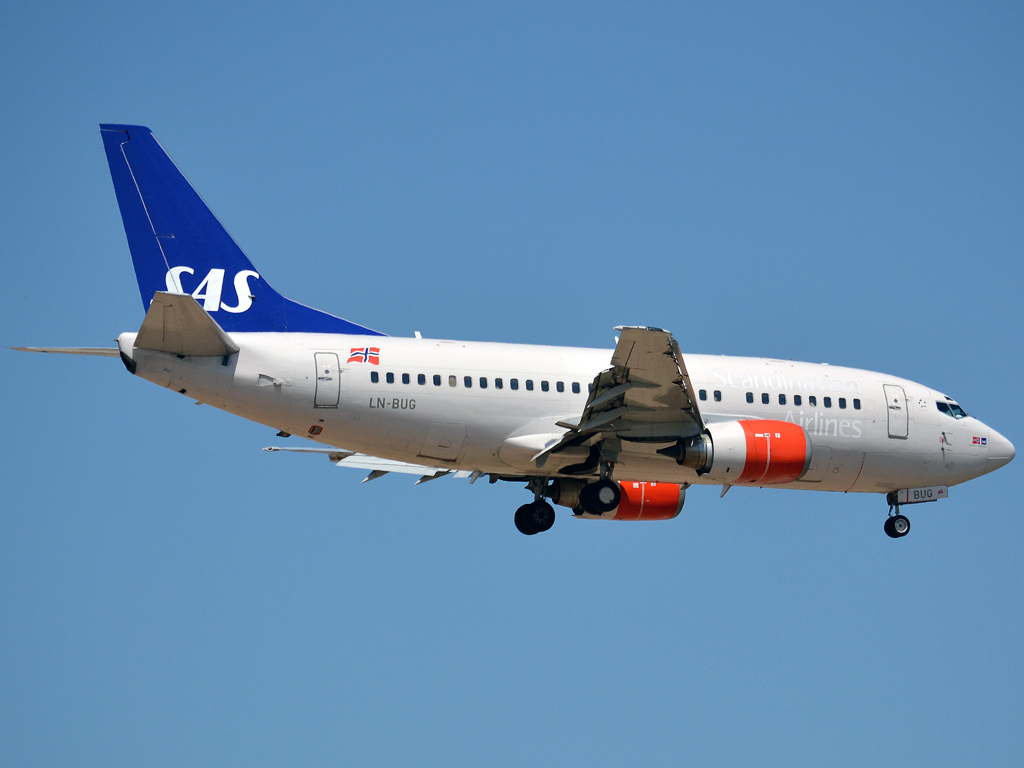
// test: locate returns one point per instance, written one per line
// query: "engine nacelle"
(639, 501)
(752, 452)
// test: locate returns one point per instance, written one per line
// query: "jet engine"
(752, 452)
(637, 500)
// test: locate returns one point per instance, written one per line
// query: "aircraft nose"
(1000, 451)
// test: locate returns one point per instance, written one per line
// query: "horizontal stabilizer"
(176, 323)
(94, 351)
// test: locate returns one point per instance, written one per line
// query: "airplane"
(611, 435)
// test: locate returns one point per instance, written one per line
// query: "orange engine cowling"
(754, 452)
(639, 501)
(648, 501)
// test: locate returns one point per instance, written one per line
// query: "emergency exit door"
(896, 407)
(328, 380)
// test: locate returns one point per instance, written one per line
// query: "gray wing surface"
(645, 395)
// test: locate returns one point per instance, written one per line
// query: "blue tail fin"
(178, 245)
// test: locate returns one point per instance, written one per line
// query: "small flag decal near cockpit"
(365, 355)
(981, 441)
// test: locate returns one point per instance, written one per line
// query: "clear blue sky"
(792, 181)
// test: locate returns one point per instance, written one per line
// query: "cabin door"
(328, 380)
(896, 407)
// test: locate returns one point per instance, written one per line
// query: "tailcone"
(125, 346)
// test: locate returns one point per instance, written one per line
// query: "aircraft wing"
(379, 467)
(646, 395)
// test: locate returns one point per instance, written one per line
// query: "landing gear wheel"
(542, 516)
(535, 518)
(897, 527)
(522, 519)
(600, 497)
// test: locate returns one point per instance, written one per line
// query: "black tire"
(542, 516)
(901, 526)
(600, 497)
(889, 531)
(524, 520)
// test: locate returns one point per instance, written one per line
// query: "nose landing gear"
(896, 525)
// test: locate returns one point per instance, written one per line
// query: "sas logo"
(365, 355)
(209, 291)
(980, 441)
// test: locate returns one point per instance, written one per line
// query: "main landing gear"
(535, 517)
(600, 497)
(594, 498)
(896, 525)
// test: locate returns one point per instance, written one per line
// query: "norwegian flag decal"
(365, 355)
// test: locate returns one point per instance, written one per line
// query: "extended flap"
(176, 323)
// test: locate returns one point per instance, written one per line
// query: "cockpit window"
(951, 409)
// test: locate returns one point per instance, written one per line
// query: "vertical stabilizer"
(179, 246)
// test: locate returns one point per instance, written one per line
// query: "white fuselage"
(274, 380)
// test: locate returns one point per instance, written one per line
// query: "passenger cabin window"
(856, 404)
(437, 380)
(797, 400)
(812, 400)
(750, 397)
(529, 385)
(390, 377)
(575, 387)
(702, 394)
(560, 386)
(842, 402)
(827, 401)
(718, 395)
(405, 378)
(421, 379)
(468, 381)
(513, 383)
(483, 382)
(498, 383)
(764, 398)
(544, 386)
(782, 399)
(374, 377)
(452, 381)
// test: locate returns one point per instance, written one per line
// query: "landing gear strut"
(896, 525)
